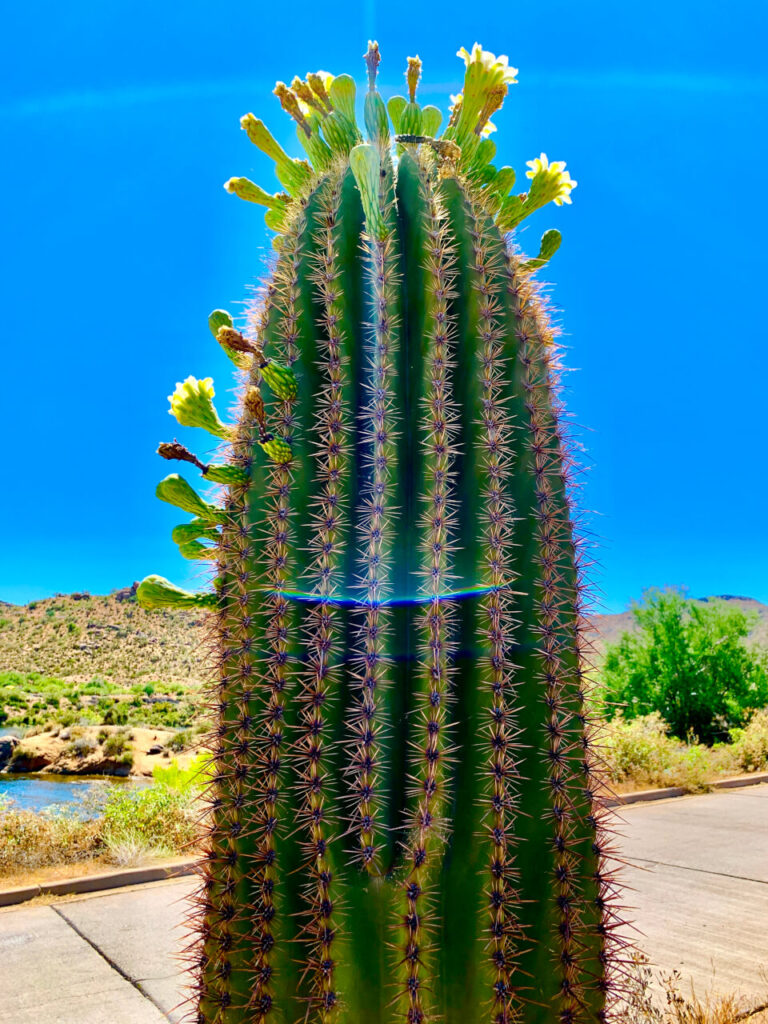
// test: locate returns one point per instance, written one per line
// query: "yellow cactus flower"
(497, 68)
(550, 182)
(192, 405)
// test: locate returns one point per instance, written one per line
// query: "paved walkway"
(700, 893)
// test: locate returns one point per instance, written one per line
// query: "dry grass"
(640, 755)
(29, 841)
(657, 998)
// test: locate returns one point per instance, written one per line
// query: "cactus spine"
(403, 818)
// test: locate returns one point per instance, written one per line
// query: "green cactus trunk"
(403, 820)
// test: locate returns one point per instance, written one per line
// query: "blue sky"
(120, 123)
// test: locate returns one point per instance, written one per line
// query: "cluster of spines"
(429, 751)
(378, 441)
(221, 916)
(495, 441)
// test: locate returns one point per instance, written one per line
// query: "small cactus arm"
(404, 819)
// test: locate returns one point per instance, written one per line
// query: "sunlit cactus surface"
(404, 816)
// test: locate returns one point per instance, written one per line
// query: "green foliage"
(163, 817)
(641, 751)
(117, 743)
(688, 662)
(188, 780)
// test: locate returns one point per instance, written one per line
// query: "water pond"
(83, 793)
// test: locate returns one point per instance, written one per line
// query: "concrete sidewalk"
(699, 885)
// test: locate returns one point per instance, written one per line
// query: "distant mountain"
(610, 627)
(79, 636)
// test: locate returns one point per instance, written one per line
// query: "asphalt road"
(698, 886)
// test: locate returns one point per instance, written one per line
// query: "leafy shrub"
(641, 751)
(689, 663)
(180, 741)
(116, 743)
(115, 714)
(187, 780)
(163, 817)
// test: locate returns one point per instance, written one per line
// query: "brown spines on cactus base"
(593, 908)
(227, 908)
(580, 850)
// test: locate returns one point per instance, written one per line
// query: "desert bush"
(689, 663)
(116, 743)
(114, 714)
(189, 780)
(640, 1002)
(81, 746)
(749, 752)
(31, 840)
(180, 740)
(641, 751)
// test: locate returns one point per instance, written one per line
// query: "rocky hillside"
(79, 636)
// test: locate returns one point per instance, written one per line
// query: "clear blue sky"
(120, 123)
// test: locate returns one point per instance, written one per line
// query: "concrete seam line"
(699, 871)
(110, 961)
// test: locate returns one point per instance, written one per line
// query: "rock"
(156, 748)
(29, 761)
(126, 593)
(7, 746)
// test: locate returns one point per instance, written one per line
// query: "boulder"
(7, 746)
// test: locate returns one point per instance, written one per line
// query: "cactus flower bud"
(365, 163)
(192, 405)
(281, 380)
(277, 449)
(176, 491)
(157, 592)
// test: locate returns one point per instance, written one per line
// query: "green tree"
(689, 662)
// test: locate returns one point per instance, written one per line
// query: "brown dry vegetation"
(654, 997)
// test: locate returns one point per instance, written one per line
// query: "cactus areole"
(403, 817)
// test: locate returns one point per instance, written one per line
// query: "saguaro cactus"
(403, 820)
